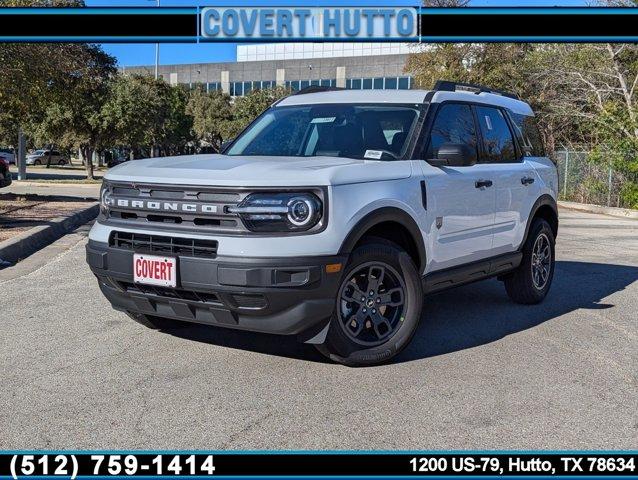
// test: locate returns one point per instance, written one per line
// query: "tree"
(177, 130)
(581, 93)
(249, 107)
(143, 112)
(210, 113)
(71, 115)
(34, 77)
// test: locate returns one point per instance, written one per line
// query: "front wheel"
(530, 282)
(378, 306)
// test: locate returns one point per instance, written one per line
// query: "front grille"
(245, 300)
(170, 293)
(139, 242)
(176, 208)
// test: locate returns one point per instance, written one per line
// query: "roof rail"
(316, 89)
(448, 86)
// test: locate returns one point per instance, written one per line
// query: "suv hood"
(238, 171)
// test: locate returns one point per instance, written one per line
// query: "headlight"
(279, 212)
(106, 200)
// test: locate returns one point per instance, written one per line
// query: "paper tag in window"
(376, 154)
(323, 119)
(488, 122)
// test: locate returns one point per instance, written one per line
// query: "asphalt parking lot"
(482, 373)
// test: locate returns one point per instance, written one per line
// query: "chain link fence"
(584, 181)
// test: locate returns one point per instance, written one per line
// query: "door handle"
(482, 183)
(527, 180)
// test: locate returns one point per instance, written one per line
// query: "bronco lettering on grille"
(166, 206)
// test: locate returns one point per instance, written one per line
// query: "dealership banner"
(317, 24)
(486, 464)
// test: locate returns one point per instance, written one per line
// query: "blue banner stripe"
(98, 11)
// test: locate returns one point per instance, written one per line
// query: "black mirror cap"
(454, 155)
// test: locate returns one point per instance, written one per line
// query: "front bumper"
(273, 295)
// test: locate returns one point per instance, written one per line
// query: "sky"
(144, 54)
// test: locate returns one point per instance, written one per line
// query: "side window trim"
(423, 140)
(518, 145)
(480, 140)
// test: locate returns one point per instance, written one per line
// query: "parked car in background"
(41, 157)
(114, 160)
(8, 155)
(5, 174)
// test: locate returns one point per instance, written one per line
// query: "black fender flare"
(385, 214)
(543, 200)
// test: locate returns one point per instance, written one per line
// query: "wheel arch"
(392, 224)
(546, 208)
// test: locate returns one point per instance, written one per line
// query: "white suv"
(332, 215)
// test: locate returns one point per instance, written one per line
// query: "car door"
(513, 177)
(460, 200)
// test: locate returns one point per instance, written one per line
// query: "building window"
(247, 87)
(236, 89)
(326, 83)
(404, 83)
(292, 85)
(356, 84)
(390, 83)
(378, 83)
(305, 84)
(367, 84)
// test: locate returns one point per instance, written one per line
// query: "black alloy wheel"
(372, 303)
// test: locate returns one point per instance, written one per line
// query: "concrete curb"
(613, 211)
(35, 183)
(34, 239)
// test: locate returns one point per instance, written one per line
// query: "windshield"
(375, 132)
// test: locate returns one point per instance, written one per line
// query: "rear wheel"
(156, 323)
(531, 281)
(378, 306)
(62, 162)
(37, 162)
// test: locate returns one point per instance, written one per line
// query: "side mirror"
(454, 155)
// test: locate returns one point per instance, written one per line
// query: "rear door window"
(498, 142)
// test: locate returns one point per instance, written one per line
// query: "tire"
(376, 336)
(527, 284)
(62, 162)
(37, 162)
(156, 323)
